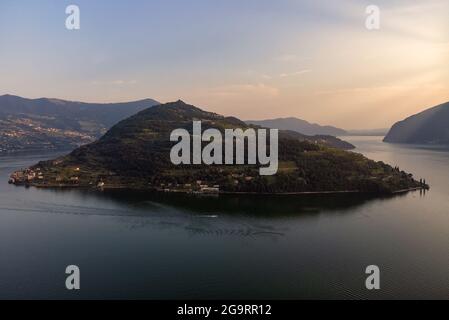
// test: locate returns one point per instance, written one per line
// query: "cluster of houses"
(26, 176)
(200, 188)
(74, 179)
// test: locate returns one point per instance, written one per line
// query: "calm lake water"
(131, 245)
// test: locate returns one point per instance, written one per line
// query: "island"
(135, 154)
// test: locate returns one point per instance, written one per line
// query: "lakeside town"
(28, 134)
(35, 177)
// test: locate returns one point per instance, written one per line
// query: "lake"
(134, 245)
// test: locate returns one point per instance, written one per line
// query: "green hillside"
(135, 154)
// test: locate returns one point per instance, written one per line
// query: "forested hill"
(135, 154)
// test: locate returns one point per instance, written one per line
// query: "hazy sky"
(253, 59)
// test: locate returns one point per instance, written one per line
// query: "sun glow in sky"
(254, 59)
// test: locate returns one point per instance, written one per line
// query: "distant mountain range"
(135, 154)
(298, 125)
(428, 127)
(38, 124)
(368, 132)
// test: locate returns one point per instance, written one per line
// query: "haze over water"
(131, 245)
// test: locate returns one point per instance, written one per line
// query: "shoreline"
(123, 187)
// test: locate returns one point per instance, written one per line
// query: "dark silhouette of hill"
(428, 127)
(298, 125)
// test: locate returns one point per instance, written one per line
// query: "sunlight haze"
(313, 60)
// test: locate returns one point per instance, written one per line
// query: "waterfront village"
(35, 177)
(26, 176)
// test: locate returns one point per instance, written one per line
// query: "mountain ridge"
(299, 125)
(430, 126)
(50, 123)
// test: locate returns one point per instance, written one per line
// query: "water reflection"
(266, 206)
(224, 216)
